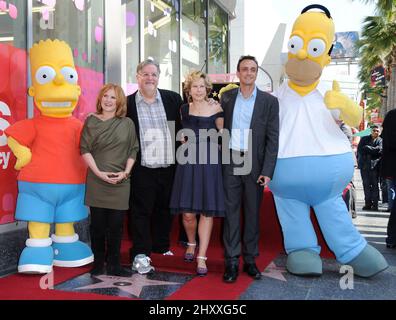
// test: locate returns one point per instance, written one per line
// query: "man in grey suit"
(251, 117)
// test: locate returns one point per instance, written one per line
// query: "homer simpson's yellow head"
(54, 78)
(309, 47)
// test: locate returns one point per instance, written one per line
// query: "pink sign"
(45, 13)
(79, 4)
(13, 11)
(13, 105)
(98, 34)
(223, 78)
(131, 88)
(50, 3)
(130, 19)
(90, 82)
(3, 5)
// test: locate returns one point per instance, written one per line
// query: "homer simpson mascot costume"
(51, 182)
(315, 160)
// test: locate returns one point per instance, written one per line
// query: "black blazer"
(172, 103)
(369, 153)
(264, 126)
(388, 163)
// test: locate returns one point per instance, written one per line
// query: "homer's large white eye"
(70, 74)
(45, 74)
(295, 44)
(316, 47)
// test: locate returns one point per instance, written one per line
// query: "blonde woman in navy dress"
(198, 184)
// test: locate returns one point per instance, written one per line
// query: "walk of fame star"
(132, 285)
(275, 272)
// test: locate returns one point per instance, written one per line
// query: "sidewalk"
(279, 285)
(371, 224)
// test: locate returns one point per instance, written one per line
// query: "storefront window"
(13, 99)
(132, 43)
(81, 25)
(193, 41)
(218, 40)
(161, 39)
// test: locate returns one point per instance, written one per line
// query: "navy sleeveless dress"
(198, 187)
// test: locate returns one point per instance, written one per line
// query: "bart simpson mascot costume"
(315, 160)
(51, 181)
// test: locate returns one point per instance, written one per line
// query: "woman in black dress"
(198, 183)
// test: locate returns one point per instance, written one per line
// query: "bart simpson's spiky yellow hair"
(49, 49)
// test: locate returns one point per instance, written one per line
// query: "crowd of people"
(377, 164)
(136, 165)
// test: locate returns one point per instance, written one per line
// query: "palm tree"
(378, 46)
(383, 7)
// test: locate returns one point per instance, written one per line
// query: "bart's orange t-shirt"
(55, 147)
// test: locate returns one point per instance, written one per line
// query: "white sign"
(4, 124)
(189, 41)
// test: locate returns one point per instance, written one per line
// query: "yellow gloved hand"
(22, 153)
(227, 88)
(351, 113)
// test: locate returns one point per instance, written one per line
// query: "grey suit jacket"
(264, 126)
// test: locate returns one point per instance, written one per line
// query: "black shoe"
(374, 208)
(367, 207)
(252, 270)
(118, 271)
(391, 245)
(97, 270)
(231, 273)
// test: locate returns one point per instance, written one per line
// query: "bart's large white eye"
(45, 74)
(295, 44)
(70, 74)
(316, 47)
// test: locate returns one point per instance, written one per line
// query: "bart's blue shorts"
(49, 203)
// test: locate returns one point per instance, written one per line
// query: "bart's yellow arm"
(351, 112)
(22, 153)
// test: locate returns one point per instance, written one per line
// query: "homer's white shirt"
(306, 126)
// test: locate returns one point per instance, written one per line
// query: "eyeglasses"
(147, 75)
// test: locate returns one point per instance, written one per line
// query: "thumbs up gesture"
(350, 112)
(335, 99)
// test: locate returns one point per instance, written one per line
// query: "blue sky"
(347, 14)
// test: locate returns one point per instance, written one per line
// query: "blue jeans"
(391, 184)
